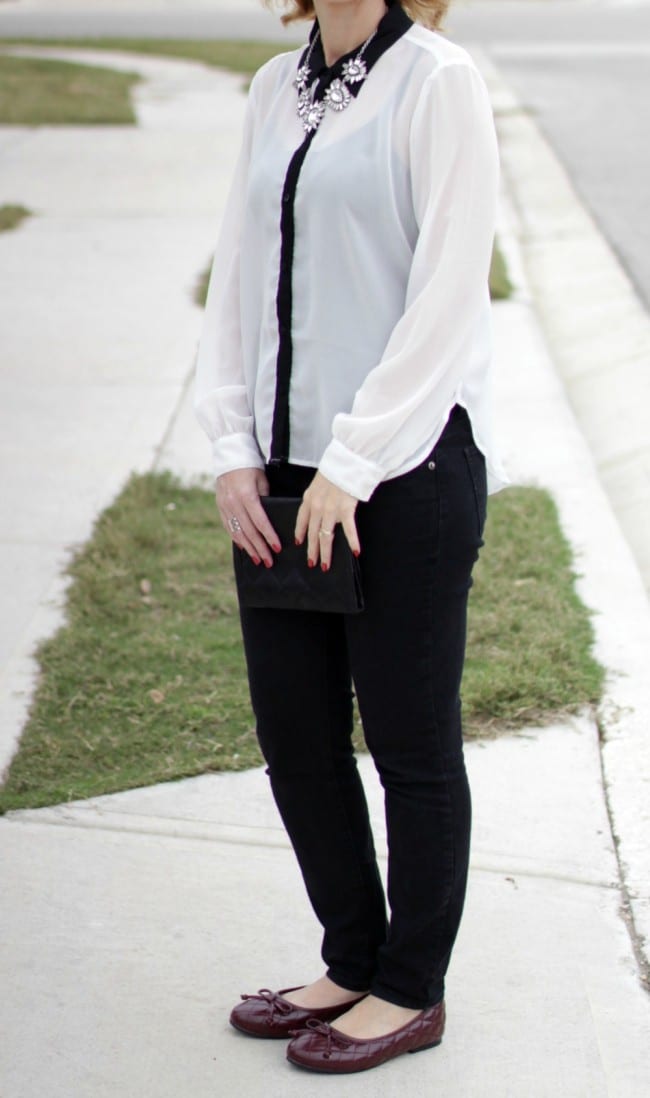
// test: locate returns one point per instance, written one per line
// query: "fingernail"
(325, 567)
(310, 563)
(256, 560)
(276, 547)
(268, 563)
(296, 542)
(356, 552)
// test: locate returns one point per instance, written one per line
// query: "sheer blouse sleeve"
(454, 180)
(221, 401)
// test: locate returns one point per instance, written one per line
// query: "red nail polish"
(268, 563)
(256, 560)
(276, 547)
(310, 563)
(296, 542)
(325, 567)
(356, 552)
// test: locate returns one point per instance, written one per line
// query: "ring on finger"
(325, 533)
(234, 524)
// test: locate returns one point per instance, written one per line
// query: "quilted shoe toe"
(269, 1014)
(321, 1047)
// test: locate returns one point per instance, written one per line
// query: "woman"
(345, 359)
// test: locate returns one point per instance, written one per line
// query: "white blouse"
(395, 213)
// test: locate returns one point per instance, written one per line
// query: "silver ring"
(326, 533)
(234, 524)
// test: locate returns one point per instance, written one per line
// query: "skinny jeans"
(420, 535)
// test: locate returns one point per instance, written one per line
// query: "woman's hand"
(323, 506)
(238, 499)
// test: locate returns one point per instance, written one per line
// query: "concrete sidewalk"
(98, 322)
(135, 920)
(130, 923)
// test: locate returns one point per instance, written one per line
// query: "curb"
(597, 328)
(540, 197)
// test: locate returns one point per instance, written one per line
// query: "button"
(431, 465)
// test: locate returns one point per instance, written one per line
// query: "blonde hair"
(428, 12)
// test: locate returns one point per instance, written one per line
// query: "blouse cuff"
(238, 451)
(353, 474)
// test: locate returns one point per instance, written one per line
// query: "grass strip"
(42, 91)
(146, 681)
(11, 216)
(500, 285)
(529, 656)
(201, 288)
(235, 56)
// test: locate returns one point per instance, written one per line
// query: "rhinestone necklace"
(337, 95)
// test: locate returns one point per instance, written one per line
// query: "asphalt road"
(594, 107)
(581, 68)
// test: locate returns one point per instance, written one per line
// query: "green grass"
(235, 56)
(500, 284)
(48, 92)
(45, 92)
(201, 288)
(11, 216)
(146, 681)
(529, 655)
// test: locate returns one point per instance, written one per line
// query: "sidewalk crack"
(625, 909)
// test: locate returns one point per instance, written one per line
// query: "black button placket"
(393, 25)
(284, 307)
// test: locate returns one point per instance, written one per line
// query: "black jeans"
(420, 536)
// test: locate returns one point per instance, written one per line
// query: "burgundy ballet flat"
(267, 1014)
(319, 1047)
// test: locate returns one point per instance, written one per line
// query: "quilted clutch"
(290, 584)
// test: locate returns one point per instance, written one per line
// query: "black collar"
(390, 28)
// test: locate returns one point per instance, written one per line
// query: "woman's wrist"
(349, 471)
(235, 451)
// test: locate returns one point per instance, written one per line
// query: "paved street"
(593, 102)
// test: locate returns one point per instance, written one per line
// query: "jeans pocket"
(478, 475)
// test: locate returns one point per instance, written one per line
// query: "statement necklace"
(337, 95)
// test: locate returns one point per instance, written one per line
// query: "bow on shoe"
(276, 1003)
(333, 1040)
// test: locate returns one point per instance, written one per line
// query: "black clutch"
(290, 584)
